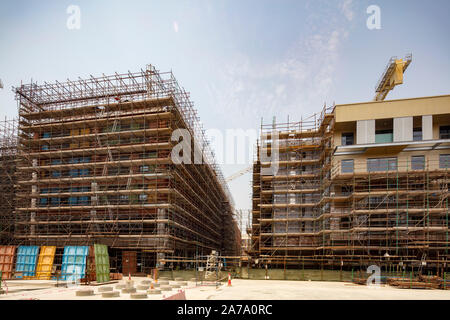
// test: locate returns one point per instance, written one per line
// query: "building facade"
(362, 183)
(96, 166)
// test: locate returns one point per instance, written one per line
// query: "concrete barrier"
(111, 294)
(154, 291)
(166, 288)
(84, 292)
(105, 289)
(129, 290)
(138, 296)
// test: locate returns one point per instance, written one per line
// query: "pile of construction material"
(419, 282)
(362, 281)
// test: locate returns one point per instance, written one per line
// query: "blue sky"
(241, 60)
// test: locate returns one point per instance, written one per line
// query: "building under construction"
(95, 165)
(8, 150)
(357, 184)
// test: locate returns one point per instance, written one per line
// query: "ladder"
(212, 266)
(422, 260)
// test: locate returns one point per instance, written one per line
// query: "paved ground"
(310, 290)
(240, 290)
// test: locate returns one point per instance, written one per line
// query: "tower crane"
(392, 76)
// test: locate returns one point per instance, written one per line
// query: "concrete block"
(166, 288)
(110, 294)
(143, 287)
(146, 282)
(179, 279)
(182, 283)
(138, 296)
(129, 290)
(105, 289)
(121, 286)
(163, 278)
(84, 292)
(154, 291)
(175, 285)
(163, 282)
(193, 280)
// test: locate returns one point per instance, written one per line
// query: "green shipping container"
(101, 262)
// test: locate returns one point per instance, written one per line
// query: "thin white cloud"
(347, 9)
(175, 26)
(294, 85)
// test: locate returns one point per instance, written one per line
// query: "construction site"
(339, 201)
(93, 165)
(111, 179)
(356, 185)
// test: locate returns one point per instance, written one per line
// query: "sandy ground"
(240, 290)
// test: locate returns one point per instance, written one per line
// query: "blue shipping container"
(74, 262)
(26, 260)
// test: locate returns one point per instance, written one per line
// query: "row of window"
(111, 171)
(85, 200)
(71, 160)
(386, 136)
(121, 157)
(390, 164)
(69, 189)
(110, 128)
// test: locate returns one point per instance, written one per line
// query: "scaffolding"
(95, 165)
(312, 211)
(8, 149)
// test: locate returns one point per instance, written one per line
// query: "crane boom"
(392, 76)
(238, 174)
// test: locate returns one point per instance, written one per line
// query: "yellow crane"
(392, 76)
(238, 174)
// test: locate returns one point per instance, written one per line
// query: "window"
(347, 166)
(144, 168)
(384, 136)
(381, 164)
(444, 132)
(384, 129)
(417, 134)
(418, 162)
(444, 161)
(348, 139)
(73, 201)
(124, 198)
(143, 197)
(56, 174)
(84, 201)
